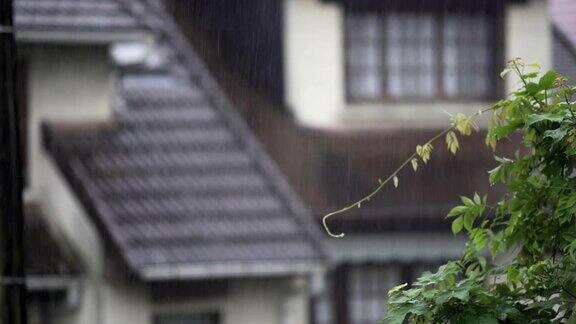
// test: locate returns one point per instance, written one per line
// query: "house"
(347, 89)
(163, 206)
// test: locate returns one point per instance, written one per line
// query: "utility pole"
(12, 283)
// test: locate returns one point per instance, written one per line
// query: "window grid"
(324, 308)
(418, 56)
(368, 292)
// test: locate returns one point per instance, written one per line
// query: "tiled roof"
(178, 183)
(74, 16)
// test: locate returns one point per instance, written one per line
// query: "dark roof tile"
(74, 16)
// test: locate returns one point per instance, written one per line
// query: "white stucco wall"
(124, 302)
(314, 60)
(74, 84)
(529, 34)
(314, 68)
(101, 301)
(66, 83)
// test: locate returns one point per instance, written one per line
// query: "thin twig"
(389, 178)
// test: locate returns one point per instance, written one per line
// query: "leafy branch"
(534, 223)
(464, 124)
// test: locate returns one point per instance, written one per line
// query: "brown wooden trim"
(391, 225)
(340, 295)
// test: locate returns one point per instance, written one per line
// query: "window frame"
(494, 10)
(341, 277)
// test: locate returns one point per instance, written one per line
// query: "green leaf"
(396, 289)
(534, 66)
(559, 133)
(467, 201)
(462, 295)
(424, 151)
(533, 88)
(537, 118)
(572, 319)
(457, 225)
(477, 199)
(500, 132)
(396, 315)
(468, 221)
(480, 239)
(414, 162)
(482, 262)
(452, 142)
(456, 211)
(474, 319)
(547, 80)
(505, 72)
(464, 124)
(496, 174)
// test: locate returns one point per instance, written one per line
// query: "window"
(322, 304)
(368, 292)
(358, 294)
(201, 318)
(416, 55)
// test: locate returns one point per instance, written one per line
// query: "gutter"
(220, 270)
(67, 37)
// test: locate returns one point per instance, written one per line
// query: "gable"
(178, 184)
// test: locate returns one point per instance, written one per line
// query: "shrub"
(520, 260)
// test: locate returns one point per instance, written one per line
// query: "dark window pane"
(187, 319)
(419, 55)
(411, 55)
(466, 57)
(368, 292)
(364, 56)
(366, 85)
(364, 26)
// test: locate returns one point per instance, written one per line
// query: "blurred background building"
(181, 153)
(162, 205)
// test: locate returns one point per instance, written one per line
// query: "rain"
(247, 162)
